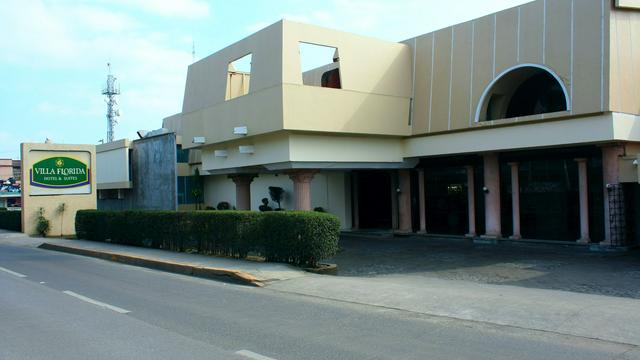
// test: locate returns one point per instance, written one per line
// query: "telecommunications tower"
(110, 91)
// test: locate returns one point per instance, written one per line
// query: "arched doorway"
(521, 91)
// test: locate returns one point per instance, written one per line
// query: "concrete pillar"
(302, 188)
(243, 190)
(492, 196)
(515, 200)
(404, 201)
(422, 202)
(394, 200)
(584, 201)
(471, 201)
(610, 170)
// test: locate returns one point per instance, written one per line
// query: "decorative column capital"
(242, 179)
(580, 160)
(302, 176)
(513, 163)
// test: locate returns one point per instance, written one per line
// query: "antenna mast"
(110, 91)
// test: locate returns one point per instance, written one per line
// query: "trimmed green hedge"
(296, 237)
(11, 220)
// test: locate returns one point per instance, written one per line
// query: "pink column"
(610, 154)
(422, 202)
(243, 190)
(302, 188)
(404, 201)
(492, 195)
(515, 200)
(584, 201)
(471, 200)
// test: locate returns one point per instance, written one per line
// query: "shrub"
(223, 205)
(11, 220)
(42, 223)
(297, 237)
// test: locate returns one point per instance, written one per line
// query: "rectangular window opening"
(238, 77)
(320, 65)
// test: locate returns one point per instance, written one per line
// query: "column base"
(470, 235)
(583, 241)
(515, 237)
(486, 239)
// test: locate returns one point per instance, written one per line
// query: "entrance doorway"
(447, 200)
(374, 199)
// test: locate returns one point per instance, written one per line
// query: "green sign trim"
(59, 172)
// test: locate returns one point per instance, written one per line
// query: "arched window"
(525, 90)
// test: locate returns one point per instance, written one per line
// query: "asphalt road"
(60, 306)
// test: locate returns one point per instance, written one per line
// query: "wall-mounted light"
(220, 153)
(485, 189)
(198, 140)
(246, 149)
(240, 130)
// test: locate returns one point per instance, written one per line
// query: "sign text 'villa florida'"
(60, 173)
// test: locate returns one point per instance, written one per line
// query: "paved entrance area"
(542, 266)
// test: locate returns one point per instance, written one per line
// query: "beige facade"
(61, 205)
(549, 74)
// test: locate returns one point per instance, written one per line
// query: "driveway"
(543, 266)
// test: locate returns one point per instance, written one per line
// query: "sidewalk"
(246, 272)
(592, 316)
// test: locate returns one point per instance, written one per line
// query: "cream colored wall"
(625, 61)
(260, 111)
(375, 77)
(206, 79)
(366, 64)
(237, 84)
(629, 4)
(319, 148)
(284, 147)
(64, 222)
(271, 148)
(455, 65)
(312, 108)
(603, 128)
(173, 123)
(112, 165)
(328, 189)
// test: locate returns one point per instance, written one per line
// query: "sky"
(54, 54)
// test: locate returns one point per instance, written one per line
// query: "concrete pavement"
(589, 316)
(175, 316)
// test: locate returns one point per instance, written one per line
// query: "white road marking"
(96, 302)
(42, 282)
(12, 272)
(252, 355)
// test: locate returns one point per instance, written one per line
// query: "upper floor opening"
(523, 90)
(320, 65)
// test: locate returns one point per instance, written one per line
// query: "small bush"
(42, 223)
(223, 205)
(11, 220)
(297, 237)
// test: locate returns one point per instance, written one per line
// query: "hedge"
(296, 237)
(11, 220)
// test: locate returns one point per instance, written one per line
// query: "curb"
(226, 275)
